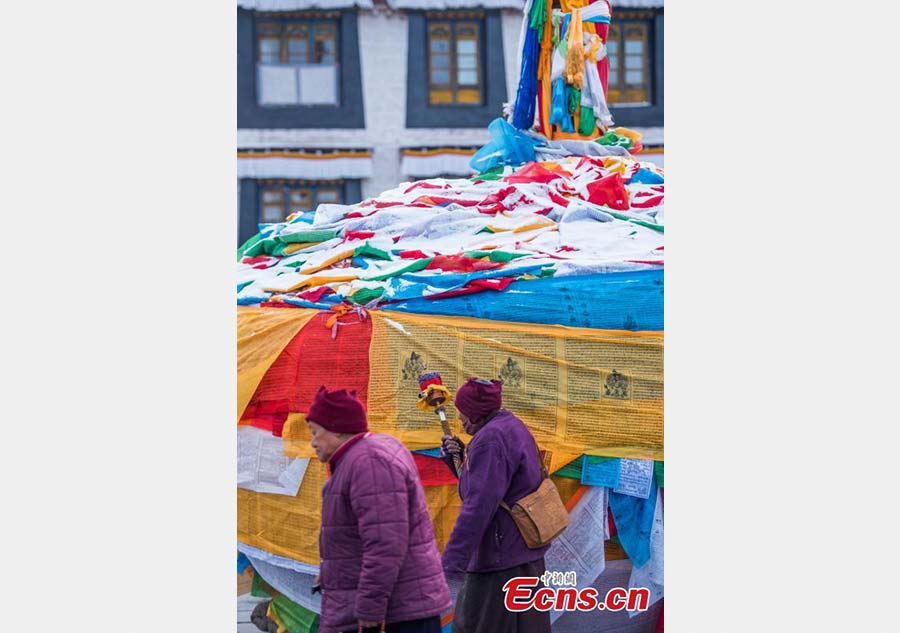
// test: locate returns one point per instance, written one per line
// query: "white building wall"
(511, 25)
(383, 43)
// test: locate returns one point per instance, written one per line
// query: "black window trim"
(419, 112)
(348, 113)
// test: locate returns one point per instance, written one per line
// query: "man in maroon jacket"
(380, 565)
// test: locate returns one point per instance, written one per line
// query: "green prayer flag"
(611, 138)
(260, 588)
(494, 173)
(539, 15)
(574, 99)
(258, 247)
(367, 250)
(295, 618)
(496, 256)
(619, 216)
(658, 472)
(365, 295)
(415, 266)
(242, 250)
(572, 470)
(587, 122)
(306, 236)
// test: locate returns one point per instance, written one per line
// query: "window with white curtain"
(297, 59)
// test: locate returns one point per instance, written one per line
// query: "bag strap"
(360, 629)
(544, 473)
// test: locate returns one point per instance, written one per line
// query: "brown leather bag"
(540, 516)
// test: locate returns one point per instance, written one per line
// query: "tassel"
(574, 72)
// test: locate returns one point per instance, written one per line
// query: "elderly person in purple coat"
(501, 463)
(380, 567)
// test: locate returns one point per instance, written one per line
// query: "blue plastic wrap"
(507, 146)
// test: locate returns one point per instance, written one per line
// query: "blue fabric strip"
(634, 522)
(608, 301)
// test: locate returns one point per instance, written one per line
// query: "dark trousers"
(425, 625)
(480, 607)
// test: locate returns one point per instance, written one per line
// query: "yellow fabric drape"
(261, 337)
(289, 526)
(578, 390)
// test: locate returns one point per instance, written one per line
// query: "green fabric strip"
(572, 470)
(611, 138)
(365, 295)
(260, 588)
(494, 173)
(306, 236)
(242, 250)
(295, 618)
(367, 250)
(277, 250)
(496, 256)
(539, 15)
(415, 266)
(587, 122)
(276, 245)
(649, 225)
(658, 472)
(574, 99)
(257, 248)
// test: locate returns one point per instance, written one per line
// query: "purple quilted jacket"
(379, 559)
(502, 464)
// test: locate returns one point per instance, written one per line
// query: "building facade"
(339, 100)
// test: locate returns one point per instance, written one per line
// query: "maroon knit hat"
(338, 411)
(478, 398)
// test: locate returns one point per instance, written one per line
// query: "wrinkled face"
(469, 426)
(324, 442)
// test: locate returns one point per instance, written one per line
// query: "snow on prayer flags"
(529, 223)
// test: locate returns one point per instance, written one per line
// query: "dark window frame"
(647, 114)
(455, 19)
(348, 113)
(310, 20)
(286, 185)
(283, 20)
(420, 113)
(622, 86)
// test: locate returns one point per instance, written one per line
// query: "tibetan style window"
(278, 198)
(628, 47)
(455, 59)
(297, 59)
